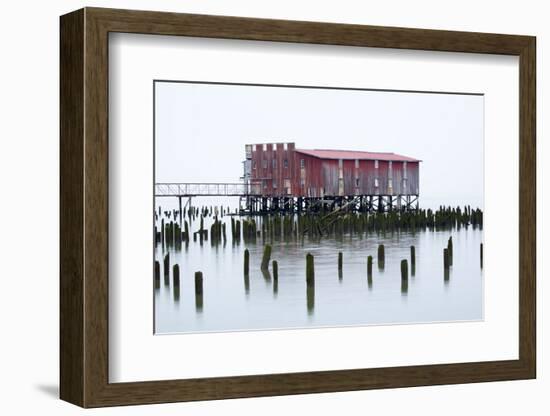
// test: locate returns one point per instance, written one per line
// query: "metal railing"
(207, 189)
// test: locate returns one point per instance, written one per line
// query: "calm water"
(232, 303)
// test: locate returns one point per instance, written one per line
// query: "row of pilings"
(171, 232)
(273, 276)
(199, 302)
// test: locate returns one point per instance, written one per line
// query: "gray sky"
(201, 130)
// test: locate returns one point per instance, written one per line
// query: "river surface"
(232, 302)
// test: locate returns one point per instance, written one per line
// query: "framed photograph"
(255, 207)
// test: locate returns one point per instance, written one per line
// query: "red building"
(282, 171)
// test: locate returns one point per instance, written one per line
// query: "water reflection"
(266, 274)
(310, 293)
(275, 287)
(404, 286)
(176, 291)
(247, 283)
(269, 302)
(446, 276)
(198, 292)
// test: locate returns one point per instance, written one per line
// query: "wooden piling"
(198, 291)
(369, 272)
(171, 233)
(167, 264)
(186, 231)
(340, 261)
(157, 270)
(198, 283)
(238, 230)
(246, 262)
(310, 270)
(157, 274)
(176, 272)
(381, 256)
(450, 250)
(369, 266)
(275, 268)
(266, 257)
(481, 255)
(162, 231)
(446, 258)
(404, 270)
(177, 236)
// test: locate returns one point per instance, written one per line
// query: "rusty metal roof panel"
(354, 154)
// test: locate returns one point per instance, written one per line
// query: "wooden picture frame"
(84, 207)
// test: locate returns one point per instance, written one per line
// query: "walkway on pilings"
(206, 189)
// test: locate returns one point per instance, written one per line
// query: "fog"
(201, 130)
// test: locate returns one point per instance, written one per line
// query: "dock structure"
(187, 191)
(279, 178)
(288, 179)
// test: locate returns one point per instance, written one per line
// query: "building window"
(264, 163)
(302, 163)
(264, 183)
(274, 183)
(254, 164)
(376, 182)
(357, 182)
(376, 164)
(390, 183)
(302, 182)
(285, 163)
(274, 164)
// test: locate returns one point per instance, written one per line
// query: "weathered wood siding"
(413, 178)
(283, 171)
(273, 167)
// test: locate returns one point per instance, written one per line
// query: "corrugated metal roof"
(353, 154)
